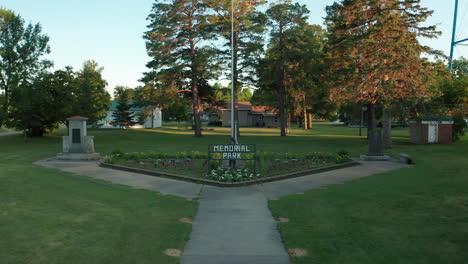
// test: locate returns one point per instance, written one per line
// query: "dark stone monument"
(375, 143)
(375, 147)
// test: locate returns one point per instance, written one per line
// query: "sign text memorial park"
(232, 152)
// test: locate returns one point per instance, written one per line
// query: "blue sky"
(110, 31)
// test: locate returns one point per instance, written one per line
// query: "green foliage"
(177, 111)
(176, 41)
(248, 42)
(91, 98)
(122, 116)
(38, 107)
(22, 48)
(458, 127)
(291, 75)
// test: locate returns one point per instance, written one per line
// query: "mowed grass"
(414, 215)
(49, 216)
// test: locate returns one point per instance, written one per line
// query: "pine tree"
(177, 43)
(245, 44)
(286, 52)
(122, 116)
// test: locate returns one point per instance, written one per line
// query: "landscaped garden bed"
(195, 166)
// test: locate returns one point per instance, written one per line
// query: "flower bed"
(196, 164)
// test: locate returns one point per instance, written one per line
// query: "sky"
(110, 31)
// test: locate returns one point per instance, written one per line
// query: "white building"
(153, 120)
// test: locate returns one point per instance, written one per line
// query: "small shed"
(431, 130)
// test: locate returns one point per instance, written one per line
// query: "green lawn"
(49, 216)
(416, 215)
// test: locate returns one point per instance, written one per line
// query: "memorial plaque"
(76, 136)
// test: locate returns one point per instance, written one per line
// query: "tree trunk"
(282, 112)
(196, 108)
(196, 98)
(387, 129)
(370, 117)
(306, 120)
(310, 121)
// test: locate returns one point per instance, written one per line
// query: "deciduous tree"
(22, 48)
(91, 98)
(375, 51)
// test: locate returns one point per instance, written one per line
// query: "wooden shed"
(431, 130)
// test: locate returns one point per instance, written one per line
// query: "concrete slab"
(234, 225)
(140, 181)
(281, 188)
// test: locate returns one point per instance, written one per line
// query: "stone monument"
(375, 147)
(78, 145)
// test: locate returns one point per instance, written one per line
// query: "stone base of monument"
(77, 145)
(375, 158)
(375, 148)
(78, 156)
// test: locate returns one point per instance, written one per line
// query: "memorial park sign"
(232, 152)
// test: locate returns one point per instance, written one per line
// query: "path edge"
(347, 164)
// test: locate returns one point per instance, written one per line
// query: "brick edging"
(230, 184)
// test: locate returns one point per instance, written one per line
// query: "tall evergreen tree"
(122, 116)
(375, 51)
(286, 21)
(176, 42)
(245, 41)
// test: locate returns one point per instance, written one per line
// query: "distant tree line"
(369, 55)
(34, 99)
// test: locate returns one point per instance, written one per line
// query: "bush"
(458, 128)
(215, 123)
(343, 153)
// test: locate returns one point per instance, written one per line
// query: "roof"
(115, 104)
(253, 108)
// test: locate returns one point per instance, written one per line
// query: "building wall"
(271, 121)
(419, 133)
(424, 133)
(156, 122)
(445, 134)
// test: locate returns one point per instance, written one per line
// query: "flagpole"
(233, 122)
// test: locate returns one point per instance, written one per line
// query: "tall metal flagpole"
(454, 42)
(233, 122)
(454, 29)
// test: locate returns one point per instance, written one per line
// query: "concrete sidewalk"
(91, 168)
(233, 225)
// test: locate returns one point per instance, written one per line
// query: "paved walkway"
(232, 225)
(139, 181)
